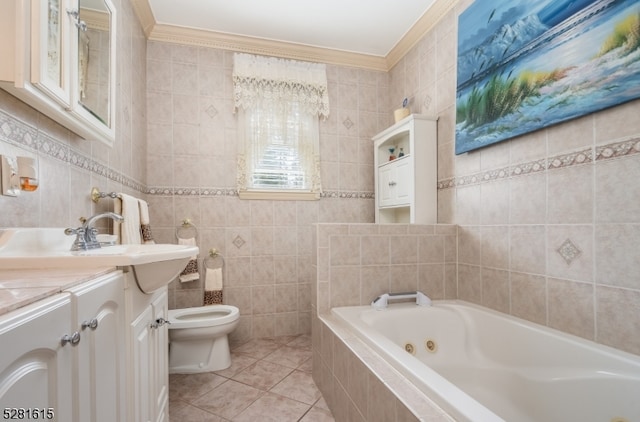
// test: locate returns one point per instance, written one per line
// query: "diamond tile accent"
(211, 111)
(239, 241)
(427, 101)
(347, 123)
(569, 251)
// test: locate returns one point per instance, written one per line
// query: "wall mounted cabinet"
(405, 156)
(59, 57)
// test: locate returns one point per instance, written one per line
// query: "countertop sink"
(154, 265)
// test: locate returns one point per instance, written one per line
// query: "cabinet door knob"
(392, 183)
(93, 324)
(74, 339)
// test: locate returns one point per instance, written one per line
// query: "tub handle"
(382, 301)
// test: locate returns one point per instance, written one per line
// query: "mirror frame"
(104, 131)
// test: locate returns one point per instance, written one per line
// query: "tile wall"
(266, 245)
(550, 221)
(70, 166)
(354, 264)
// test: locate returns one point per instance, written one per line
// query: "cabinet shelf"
(406, 186)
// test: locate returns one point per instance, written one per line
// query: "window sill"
(279, 195)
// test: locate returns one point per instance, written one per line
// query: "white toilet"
(198, 338)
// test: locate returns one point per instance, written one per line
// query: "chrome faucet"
(87, 235)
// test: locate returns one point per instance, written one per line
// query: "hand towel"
(190, 272)
(145, 227)
(213, 286)
(129, 229)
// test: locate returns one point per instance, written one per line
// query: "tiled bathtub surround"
(358, 262)
(355, 263)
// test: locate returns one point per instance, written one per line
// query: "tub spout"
(382, 301)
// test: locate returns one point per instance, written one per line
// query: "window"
(279, 103)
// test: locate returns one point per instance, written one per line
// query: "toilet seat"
(203, 316)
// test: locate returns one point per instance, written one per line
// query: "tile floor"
(269, 380)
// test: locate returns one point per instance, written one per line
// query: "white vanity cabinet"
(148, 360)
(65, 354)
(36, 370)
(405, 156)
(59, 57)
(100, 362)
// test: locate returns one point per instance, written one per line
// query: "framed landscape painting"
(527, 64)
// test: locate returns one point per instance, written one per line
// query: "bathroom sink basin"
(154, 265)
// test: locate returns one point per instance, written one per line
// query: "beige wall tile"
(618, 321)
(570, 195)
(374, 250)
(494, 246)
(529, 297)
(528, 199)
(495, 289)
(615, 197)
(494, 202)
(469, 244)
(571, 307)
(618, 255)
(528, 249)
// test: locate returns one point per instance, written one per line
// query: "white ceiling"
(371, 27)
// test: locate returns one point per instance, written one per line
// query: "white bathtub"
(488, 366)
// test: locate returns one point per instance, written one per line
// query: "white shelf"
(406, 186)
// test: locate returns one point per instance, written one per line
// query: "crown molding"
(145, 15)
(426, 23)
(225, 41)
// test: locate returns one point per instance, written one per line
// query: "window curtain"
(279, 103)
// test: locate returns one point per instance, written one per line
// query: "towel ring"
(186, 230)
(209, 260)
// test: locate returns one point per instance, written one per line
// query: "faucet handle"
(78, 232)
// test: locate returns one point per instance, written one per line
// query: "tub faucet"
(87, 235)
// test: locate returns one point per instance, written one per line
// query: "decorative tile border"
(186, 191)
(585, 156)
(16, 132)
(620, 149)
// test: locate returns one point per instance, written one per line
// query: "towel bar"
(96, 195)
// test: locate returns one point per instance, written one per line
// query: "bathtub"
(481, 365)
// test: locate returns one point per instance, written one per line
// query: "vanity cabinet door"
(160, 353)
(101, 353)
(149, 358)
(36, 369)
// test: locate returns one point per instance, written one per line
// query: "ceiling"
(352, 32)
(357, 26)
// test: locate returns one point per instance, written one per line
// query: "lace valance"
(260, 78)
